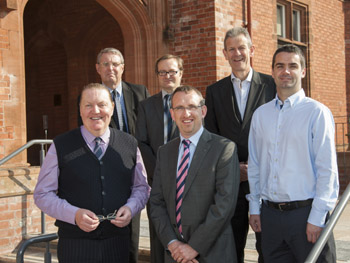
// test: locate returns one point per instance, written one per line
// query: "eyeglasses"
(108, 64)
(110, 216)
(163, 73)
(191, 108)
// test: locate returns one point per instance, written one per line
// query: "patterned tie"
(98, 148)
(168, 122)
(118, 107)
(180, 181)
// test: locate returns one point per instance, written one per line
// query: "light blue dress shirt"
(292, 155)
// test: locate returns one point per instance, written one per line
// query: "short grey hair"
(236, 31)
(110, 50)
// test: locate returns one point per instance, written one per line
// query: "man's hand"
(313, 232)
(123, 217)
(86, 220)
(183, 253)
(243, 167)
(254, 221)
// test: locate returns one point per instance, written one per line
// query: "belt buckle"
(280, 206)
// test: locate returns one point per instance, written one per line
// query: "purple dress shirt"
(45, 191)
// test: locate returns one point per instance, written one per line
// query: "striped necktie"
(118, 107)
(180, 181)
(98, 148)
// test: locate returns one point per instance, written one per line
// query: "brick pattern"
(6, 132)
(327, 55)
(347, 51)
(193, 24)
(19, 216)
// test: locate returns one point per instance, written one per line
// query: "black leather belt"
(287, 206)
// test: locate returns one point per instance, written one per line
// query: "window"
(281, 21)
(292, 28)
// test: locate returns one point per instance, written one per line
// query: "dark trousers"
(284, 236)
(240, 225)
(110, 250)
(134, 238)
(157, 248)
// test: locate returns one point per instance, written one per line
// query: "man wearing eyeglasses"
(195, 187)
(154, 127)
(93, 182)
(126, 97)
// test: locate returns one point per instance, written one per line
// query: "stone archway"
(56, 68)
(66, 36)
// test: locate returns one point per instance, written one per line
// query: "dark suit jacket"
(209, 198)
(132, 94)
(150, 131)
(223, 116)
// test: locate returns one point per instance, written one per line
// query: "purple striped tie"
(180, 181)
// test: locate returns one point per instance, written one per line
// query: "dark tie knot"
(186, 143)
(166, 100)
(98, 140)
(113, 94)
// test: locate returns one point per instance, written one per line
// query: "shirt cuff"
(254, 207)
(317, 218)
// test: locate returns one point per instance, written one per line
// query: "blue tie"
(98, 148)
(118, 109)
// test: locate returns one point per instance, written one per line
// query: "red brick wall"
(327, 55)
(347, 51)
(6, 132)
(193, 24)
(18, 217)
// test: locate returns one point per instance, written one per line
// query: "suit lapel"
(159, 107)
(198, 156)
(159, 112)
(129, 105)
(255, 91)
(229, 99)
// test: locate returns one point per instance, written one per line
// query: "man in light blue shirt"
(292, 170)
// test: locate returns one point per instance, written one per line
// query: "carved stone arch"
(139, 37)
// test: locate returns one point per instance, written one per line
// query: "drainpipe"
(249, 24)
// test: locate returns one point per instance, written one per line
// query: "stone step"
(36, 255)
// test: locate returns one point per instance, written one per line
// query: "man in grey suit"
(126, 96)
(154, 127)
(195, 187)
(231, 102)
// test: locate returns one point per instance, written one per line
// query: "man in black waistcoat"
(127, 97)
(93, 182)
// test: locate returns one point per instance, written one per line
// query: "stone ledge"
(18, 181)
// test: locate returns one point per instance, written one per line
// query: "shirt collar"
(292, 100)
(118, 89)
(195, 137)
(248, 78)
(165, 93)
(89, 138)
